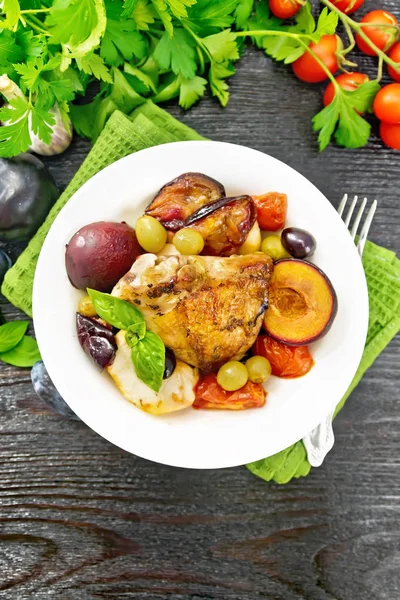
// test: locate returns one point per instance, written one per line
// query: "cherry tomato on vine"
(390, 135)
(348, 6)
(285, 9)
(347, 81)
(378, 32)
(387, 104)
(307, 68)
(395, 55)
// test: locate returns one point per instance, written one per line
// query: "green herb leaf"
(10, 52)
(15, 136)
(11, 334)
(135, 333)
(143, 14)
(122, 42)
(327, 23)
(178, 7)
(243, 11)
(116, 312)
(217, 75)
(93, 64)
(31, 45)
(222, 45)
(161, 9)
(148, 357)
(176, 53)
(12, 11)
(352, 130)
(191, 90)
(35, 77)
(24, 354)
(208, 16)
(129, 5)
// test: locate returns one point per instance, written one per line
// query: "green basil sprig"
(147, 348)
(16, 348)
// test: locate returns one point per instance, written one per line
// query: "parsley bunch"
(158, 49)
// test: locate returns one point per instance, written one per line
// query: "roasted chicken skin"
(206, 309)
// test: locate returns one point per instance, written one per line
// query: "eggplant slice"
(224, 224)
(180, 198)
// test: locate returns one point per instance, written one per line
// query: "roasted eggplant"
(224, 224)
(180, 198)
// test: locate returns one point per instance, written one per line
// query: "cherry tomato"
(395, 55)
(286, 361)
(285, 9)
(271, 210)
(390, 135)
(306, 67)
(209, 394)
(382, 37)
(347, 81)
(387, 103)
(348, 6)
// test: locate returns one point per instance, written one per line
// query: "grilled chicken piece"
(176, 392)
(206, 309)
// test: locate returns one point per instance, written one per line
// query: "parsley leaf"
(176, 53)
(208, 16)
(352, 131)
(10, 52)
(217, 75)
(129, 5)
(35, 79)
(15, 135)
(12, 11)
(222, 45)
(191, 90)
(31, 45)
(143, 14)
(178, 7)
(93, 64)
(166, 19)
(122, 42)
(243, 11)
(326, 25)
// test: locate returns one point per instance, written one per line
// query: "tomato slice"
(209, 394)
(271, 210)
(286, 361)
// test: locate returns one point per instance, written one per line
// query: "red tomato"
(286, 361)
(209, 394)
(382, 37)
(285, 9)
(347, 81)
(348, 6)
(387, 103)
(390, 135)
(395, 55)
(306, 67)
(271, 210)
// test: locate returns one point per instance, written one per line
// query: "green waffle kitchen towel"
(148, 126)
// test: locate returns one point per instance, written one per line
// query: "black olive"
(170, 363)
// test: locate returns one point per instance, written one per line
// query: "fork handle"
(319, 442)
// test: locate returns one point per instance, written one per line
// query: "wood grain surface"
(81, 519)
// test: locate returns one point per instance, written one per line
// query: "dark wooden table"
(81, 519)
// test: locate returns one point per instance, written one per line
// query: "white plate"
(199, 438)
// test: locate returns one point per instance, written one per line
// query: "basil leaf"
(24, 354)
(148, 357)
(116, 312)
(11, 334)
(135, 333)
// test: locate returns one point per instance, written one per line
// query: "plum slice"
(181, 197)
(302, 303)
(97, 341)
(224, 224)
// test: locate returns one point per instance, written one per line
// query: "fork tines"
(357, 220)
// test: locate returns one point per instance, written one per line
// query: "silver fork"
(321, 439)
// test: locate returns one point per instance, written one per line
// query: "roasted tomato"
(224, 224)
(180, 198)
(286, 361)
(211, 395)
(271, 210)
